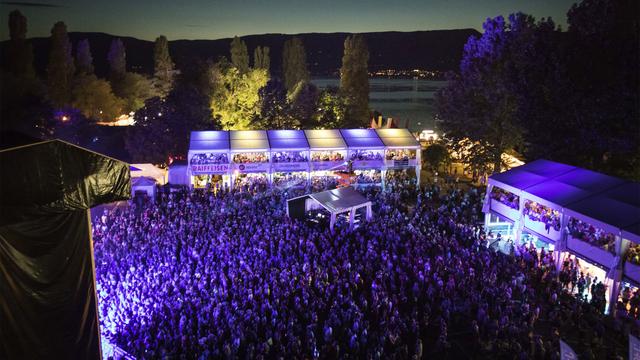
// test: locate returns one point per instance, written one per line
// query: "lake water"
(402, 99)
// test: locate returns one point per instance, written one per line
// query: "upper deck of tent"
(602, 200)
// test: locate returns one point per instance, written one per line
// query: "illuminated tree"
(236, 100)
(479, 108)
(134, 89)
(163, 66)
(261, 58)
(94, 99)
(60, 68)
(294, 63)
(84, 60)
(330, 110)
(354, 81)
(239, 55)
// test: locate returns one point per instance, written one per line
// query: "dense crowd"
(400, 154)
(209, 158)
(287, 180)
(536, 212)
(365, 155)
(326, 156)
(633, 254)
(229, 275)
(505, 197)
(288, 156)
(367, 177)
(245, 158)
(594, 236)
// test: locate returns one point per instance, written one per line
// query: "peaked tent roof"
(287, 140)
(209, 140)
(338, 200)
(605, 201)
(400, 138)
(325, 139)
(362, 138)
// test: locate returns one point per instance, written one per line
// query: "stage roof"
(605, 201)
(338, 200)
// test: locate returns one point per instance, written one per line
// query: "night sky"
(213, 19)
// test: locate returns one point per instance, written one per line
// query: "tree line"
(231, 93)
(527, 86)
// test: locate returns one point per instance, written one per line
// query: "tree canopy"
(94, 98)
(117, 58)
(84, 59)
(354, 81)
(235, 101)
(163, 66)
(60, 69)
(294, 63)
(239, 55)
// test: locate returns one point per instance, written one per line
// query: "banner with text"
(210, 169)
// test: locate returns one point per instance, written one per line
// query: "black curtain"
(48, 302)
(47, 283)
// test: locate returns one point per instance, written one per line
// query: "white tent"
(144, 184)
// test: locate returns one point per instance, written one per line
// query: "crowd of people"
(324, 182)
(400, 154)
(536, 212)
(288, 156)
(288, 180)
(505, 197)
(251, 183)
(229, 275)
(327, 156)
(209, 158)
(594, 236)
(366, 155)
(633, 254)
(246, 158)
(367, 177)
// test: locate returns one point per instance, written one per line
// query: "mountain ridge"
(439, 50)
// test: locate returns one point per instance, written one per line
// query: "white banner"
(368, 164)
(328, 165)
(290, 166)
(210, 169)
(252, 167)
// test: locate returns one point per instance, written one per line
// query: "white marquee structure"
(229, 156)
(568, 193)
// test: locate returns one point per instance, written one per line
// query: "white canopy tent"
(336, 201)
(605, 202)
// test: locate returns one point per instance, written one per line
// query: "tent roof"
(209, 140)
(325, 139)
(249, 140)
(398, 138)
(143, 181)
(362, 138)
(55, 176)
(339, 199)
(287, 139)
(606, 201)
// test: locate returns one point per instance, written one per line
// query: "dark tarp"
(47, 280)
